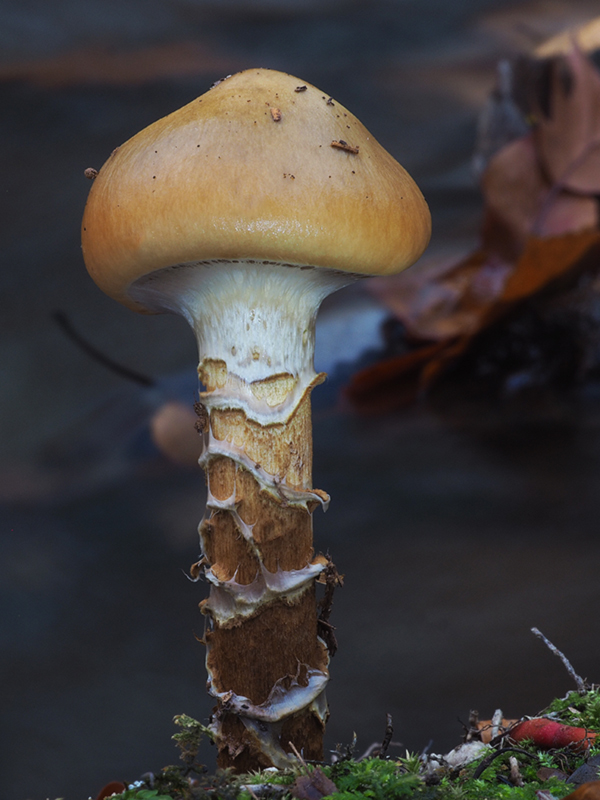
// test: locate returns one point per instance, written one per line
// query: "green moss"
(144, 794)
(386, 779)
(372, 778)
(579, 710)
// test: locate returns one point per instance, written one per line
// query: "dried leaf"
(569, 139)
(519, 201)
(409, 295)
(391, 383)
(114, 787)
(545, 773)
(313, 786)
(587, 791)
(539, 226)
(543, 261)
(451, 303)
(396, 382)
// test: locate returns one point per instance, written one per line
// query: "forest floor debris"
(552, 755)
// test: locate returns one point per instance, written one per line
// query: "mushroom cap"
(249, 171)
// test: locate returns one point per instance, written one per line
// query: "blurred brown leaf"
(451, 302)
(544, 261)
(313, 786)
(587, 791)
(395, 382)
(456, 298)
(545, 773)
(569, 139)
(516, 192)
(540, 224)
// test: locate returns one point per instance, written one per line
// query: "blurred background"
(456, 532)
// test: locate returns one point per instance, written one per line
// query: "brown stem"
(250, 527)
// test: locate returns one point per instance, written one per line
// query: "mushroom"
(242, 211)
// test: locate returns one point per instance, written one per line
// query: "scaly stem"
(266, 665)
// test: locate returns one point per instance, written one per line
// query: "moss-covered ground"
(543, 773)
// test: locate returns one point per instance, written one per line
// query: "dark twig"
(389, 732)
(472, 732)
(581, 688)
(65, 324)
(379, 749)
(344, 752)
(487, 761)
(332, 579)
(372, 750)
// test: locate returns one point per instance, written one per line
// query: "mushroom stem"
(266, 665)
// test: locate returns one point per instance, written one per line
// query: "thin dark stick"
(487, 761)
(61, 318)
(373, 750)
(389, 732)
(332, 580)
(577, 678)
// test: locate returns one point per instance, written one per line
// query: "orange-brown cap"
(263, 166)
